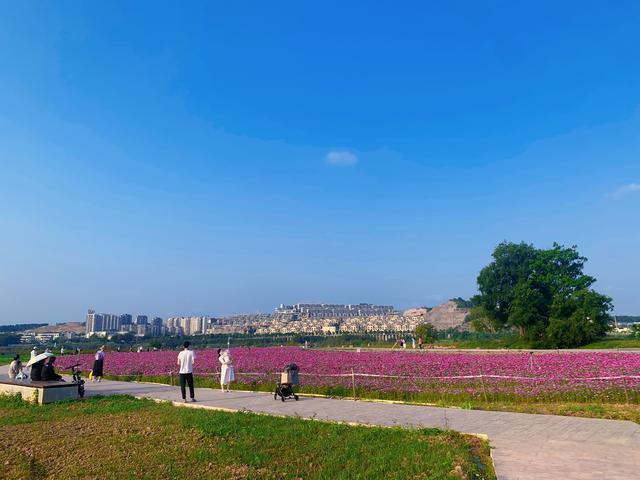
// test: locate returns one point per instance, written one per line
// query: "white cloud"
(626, 189)
(341, 158)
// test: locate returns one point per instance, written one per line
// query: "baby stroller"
(288, 378)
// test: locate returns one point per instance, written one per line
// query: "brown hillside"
(447, 315)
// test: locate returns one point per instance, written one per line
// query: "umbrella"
(37, 358)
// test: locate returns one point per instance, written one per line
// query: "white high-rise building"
(94, 322)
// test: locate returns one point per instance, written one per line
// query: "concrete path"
(535, 447)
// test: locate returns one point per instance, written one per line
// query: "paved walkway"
(536, 447)
(525, 447)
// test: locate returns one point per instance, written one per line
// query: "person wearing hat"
(34, 351)
(37, 363)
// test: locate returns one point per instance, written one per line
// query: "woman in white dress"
(226, 370)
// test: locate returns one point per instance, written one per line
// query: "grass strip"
(121, 437)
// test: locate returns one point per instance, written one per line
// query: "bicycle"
(76, 374)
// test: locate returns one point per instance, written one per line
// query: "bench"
(40, 392)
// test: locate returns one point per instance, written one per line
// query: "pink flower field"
(542, 375)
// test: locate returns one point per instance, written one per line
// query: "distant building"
(93, 322)
(184, 323)
(110, 322)
(38, 338)
(102, 322)
(142, 329)
(170, 326)
(105, 324)
(188, 325)
(325, 310)
(286, 312)
(195, 325)
(157, 327)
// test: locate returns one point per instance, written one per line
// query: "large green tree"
(426, 331)
(511, 265)
(578, 319)
(543, 293)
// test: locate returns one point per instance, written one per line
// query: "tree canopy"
(426, 331)
(20, 327)
(462, 303)
(543, 293)
(9, 339)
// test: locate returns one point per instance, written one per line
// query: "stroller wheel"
(296, 397)
(283, 398)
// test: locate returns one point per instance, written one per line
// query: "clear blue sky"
(190, 158)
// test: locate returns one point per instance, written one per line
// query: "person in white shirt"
(34, 352)
(185, 361)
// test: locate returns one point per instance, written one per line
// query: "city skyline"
(224, 158)
(284, 319)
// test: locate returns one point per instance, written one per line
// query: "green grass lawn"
(121, 437)
(512, 342)
(515, 343)
(6, 359)
(615, 342)
(610, 411)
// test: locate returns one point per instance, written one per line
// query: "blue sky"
(172, 158)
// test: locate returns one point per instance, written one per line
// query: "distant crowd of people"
(403, 343)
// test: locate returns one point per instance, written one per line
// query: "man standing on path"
(185, 360)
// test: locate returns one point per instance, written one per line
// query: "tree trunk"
(521, 330)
